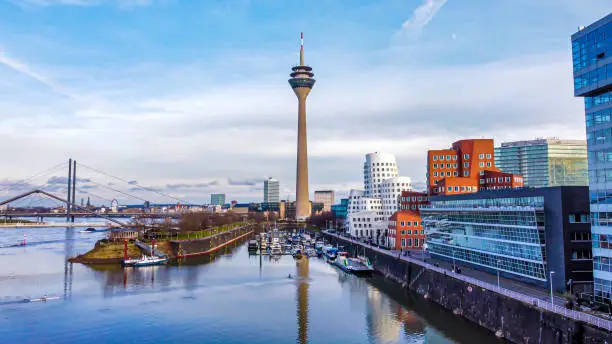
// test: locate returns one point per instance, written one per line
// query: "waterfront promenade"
(524, 294)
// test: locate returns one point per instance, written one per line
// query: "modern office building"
(592, 67)
(302, 82)
(339, 213)
(524, 234)
(271, 191)
(217, 199)
(406, 231)
(376, 169)
(326, 197)
(413, 200)
(369, 210)
(391, 190)
(467, 167)
(545, 162)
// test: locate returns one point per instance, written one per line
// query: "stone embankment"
(514, 320)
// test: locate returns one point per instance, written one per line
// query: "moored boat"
(150, 260)
(252, 246)
(352, 265)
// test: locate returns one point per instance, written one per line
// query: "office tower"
(217, 199)
(592, 64)
(326, 197)
(545, 162)
(271, 191)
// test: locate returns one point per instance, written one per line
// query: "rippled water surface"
(230, 298)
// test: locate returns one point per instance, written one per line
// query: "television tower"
(301, 82)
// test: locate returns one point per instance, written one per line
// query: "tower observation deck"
(302, 82)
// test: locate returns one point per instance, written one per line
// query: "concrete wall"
(518, 322)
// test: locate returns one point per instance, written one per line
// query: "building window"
(466, 173)
(466, 164)
(482, 181)
(402, 223)
(455, 173)
(441, 157)
(416, 223)
(448, 157)
(435, 165)
(435, 158)
(481, 172)
(480, 156)
(482, 164)
(403, 232)
(448, 174)
(454, 157)
(454, 165)
(448, 165)
(456, 188)
(450, 188)
(580, 254)
(488, 164)
(466, 156)
(403, 242)
(409, 242)
(488, 156)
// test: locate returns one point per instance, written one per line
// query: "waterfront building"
(271, 191)
(592, 68)
(339, 213)
(467, 167)
(392, 189)
(326, 197)
(377, 168)
(413, 200)
(522, 233)
(302, 82)
(217, 199)
(406, 231)
(545, 162)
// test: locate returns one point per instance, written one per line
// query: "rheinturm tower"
(302, 81)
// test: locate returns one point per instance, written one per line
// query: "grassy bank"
(106, 253)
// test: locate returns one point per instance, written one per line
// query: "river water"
(229, 298)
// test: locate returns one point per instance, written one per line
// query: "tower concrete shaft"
(302, 81)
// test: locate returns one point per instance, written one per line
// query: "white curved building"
(377, 168)
(391, 191)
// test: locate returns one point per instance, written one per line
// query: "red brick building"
(413, 200)
(468, 166)
(406, 231)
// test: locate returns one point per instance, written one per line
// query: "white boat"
(150, 260)
(352, 265)
(275, 249)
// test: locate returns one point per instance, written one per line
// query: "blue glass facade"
(592, 66)
(524, 234)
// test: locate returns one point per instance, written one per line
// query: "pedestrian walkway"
(518, 291)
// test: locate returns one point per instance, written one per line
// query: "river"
(229, 298)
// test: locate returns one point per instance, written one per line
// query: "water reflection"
(68, 253)
(303, 269)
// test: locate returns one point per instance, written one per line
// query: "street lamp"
(453, 267)
(498, 273)
(552, 302)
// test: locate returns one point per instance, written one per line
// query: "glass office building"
(271, 191)
(523, 234)
(545, 162)
(217, 199)
(592, 67)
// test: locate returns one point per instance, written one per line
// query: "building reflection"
(302, 266)
(68, 253)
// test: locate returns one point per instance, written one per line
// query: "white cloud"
(421, 16)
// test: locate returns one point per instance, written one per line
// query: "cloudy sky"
(191, 97)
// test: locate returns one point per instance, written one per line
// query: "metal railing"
(542, 304)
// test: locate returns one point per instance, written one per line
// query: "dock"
(59, 225)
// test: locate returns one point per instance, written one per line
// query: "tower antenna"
(301, 48)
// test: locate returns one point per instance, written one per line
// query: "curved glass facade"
(505, 234)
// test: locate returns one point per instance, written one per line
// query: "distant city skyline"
(191, 99)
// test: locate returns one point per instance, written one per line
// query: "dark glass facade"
(592, 66)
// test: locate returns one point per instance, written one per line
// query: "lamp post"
(453, 267)
(498, 273)
(552, 302)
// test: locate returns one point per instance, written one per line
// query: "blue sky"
(191, 97)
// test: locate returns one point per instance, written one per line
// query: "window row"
(600, 99)
(447, 165)
(408, 242)
(593, 77)
(409, 231)
(441, 157)
(598, 117)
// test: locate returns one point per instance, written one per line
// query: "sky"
(190, 97)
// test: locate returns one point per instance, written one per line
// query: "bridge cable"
(133, 183)
(39, 174)
(116, 190)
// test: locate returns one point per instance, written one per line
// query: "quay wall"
(512, 319)
(196, 247)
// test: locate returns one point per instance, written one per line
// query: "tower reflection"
(303, 269)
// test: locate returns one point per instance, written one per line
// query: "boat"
(275, 249)
(252, 246)
(287, 248)
(150, 260)
(330, 253)
(352, 265)
(311, 252)
(92, 230)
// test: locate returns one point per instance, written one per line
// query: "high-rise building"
(522, 233)
(392, 189)
(271, 191)
(217, 199)
(302, 82)
(545, 162)
(467, 167)
(326, 197)
(592, 65)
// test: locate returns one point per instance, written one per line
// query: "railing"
(569, 313)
